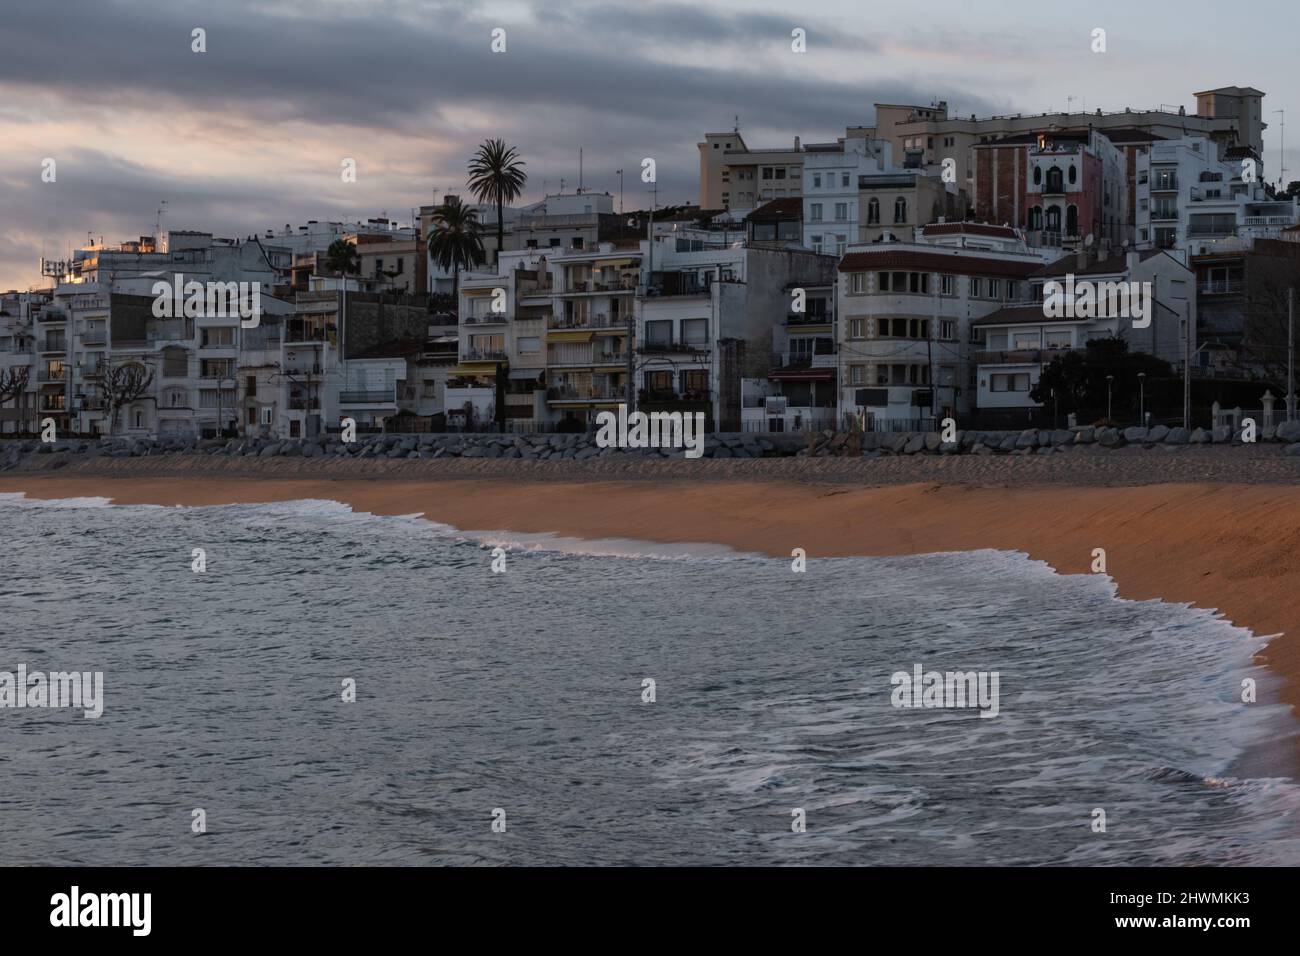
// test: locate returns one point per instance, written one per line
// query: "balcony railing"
(669, 346)
(300, 370)
(371, 396)
(598, 320)
(804, 318)
(585, 393)
(305, 332)
(1019, 356)
(1219, 286)
(52, 375)
(483, 355)
(822, 358)
(94, 338)
(668, 396)
(489, 318)
(54, 345)
(303, 404)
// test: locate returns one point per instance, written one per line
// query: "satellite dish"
(1088, 241)
(1124, 244)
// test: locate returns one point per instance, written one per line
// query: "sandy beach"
(1224, 546)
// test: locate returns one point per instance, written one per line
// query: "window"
(1035, 218)
(1013, 290)
(946, 285)
(1038, 175)
(695, 332)
(659, 381)
(1072, 221)
(844, 180)
(817, 181)
(900, 210)
(841, 211)
(659, 334)
(873, 212)
(139, 419)
(948, 330)
(857, 328)
(976, 288)
(858, 282)
(816, 243)
(780, 172)
(1056, 339)
(918, 282)
(530, 343)
(858, 374)
(250, 389)
(695, 379)
(815, 212)
(767, 172)
(1018, 382)
(995, 288)
(1074, 175)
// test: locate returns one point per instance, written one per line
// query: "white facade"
(830, 190)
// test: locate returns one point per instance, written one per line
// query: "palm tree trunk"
(501, 231)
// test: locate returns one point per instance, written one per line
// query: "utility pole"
(1290, 354)
(1281, 153)
(620, 200)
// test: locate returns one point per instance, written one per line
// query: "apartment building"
(705, 322)
(1195, 198)
(904, 314)
(735, 177)
(1242, 307)
(19, 401)
(834, 206)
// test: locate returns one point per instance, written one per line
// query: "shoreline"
(1232, 548)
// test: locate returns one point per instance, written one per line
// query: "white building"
(1193, 200)
(831, 171)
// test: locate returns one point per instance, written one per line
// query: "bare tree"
(13, 382)
(123, 385)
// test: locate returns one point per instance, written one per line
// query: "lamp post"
(1142, 398)
(1110, 380)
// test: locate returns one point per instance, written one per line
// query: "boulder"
(914, 444)
(932, 441)
(1110, 438)
(1289, 432)
(1008, 443)
(1293, 450)
(1135, 434)
(1221, 434)
(1085, 436)
(1178, 435)
(1028, 439)
(1062, 436)
(1158, 433)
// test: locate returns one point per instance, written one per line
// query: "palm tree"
(342, 257)
(496, 175)
(454, 241)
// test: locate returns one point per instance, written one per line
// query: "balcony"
(1219, 286)
(804, 318)
(304, 333)
(53, 408)
(1164, 184)
(670, 347)
(52, 375)
(304, 404)
(489, 318)
(794, 361)
(1020, 356)
(598, 320)
(585, 393)
(372, 396)
(54, 345)
(303, 369)
(483, 355)
(94, 338)
(690, 396)
(51, 315)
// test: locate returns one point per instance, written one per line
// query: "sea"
(299, 684)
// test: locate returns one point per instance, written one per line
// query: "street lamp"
(1142, 397)
(1110, 379)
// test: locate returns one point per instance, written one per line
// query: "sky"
(251, 134)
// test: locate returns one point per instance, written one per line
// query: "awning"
(523, 374)
(572, 336)
(616, 263)
(483, 368)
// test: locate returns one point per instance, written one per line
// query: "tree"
(454, 241)
(123, 385)
(341, 258)
(496, 175)
(1078, 379)
(13, 382)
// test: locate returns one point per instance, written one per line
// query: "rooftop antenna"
(736, 128)
(1281, 153)
(579, 169)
